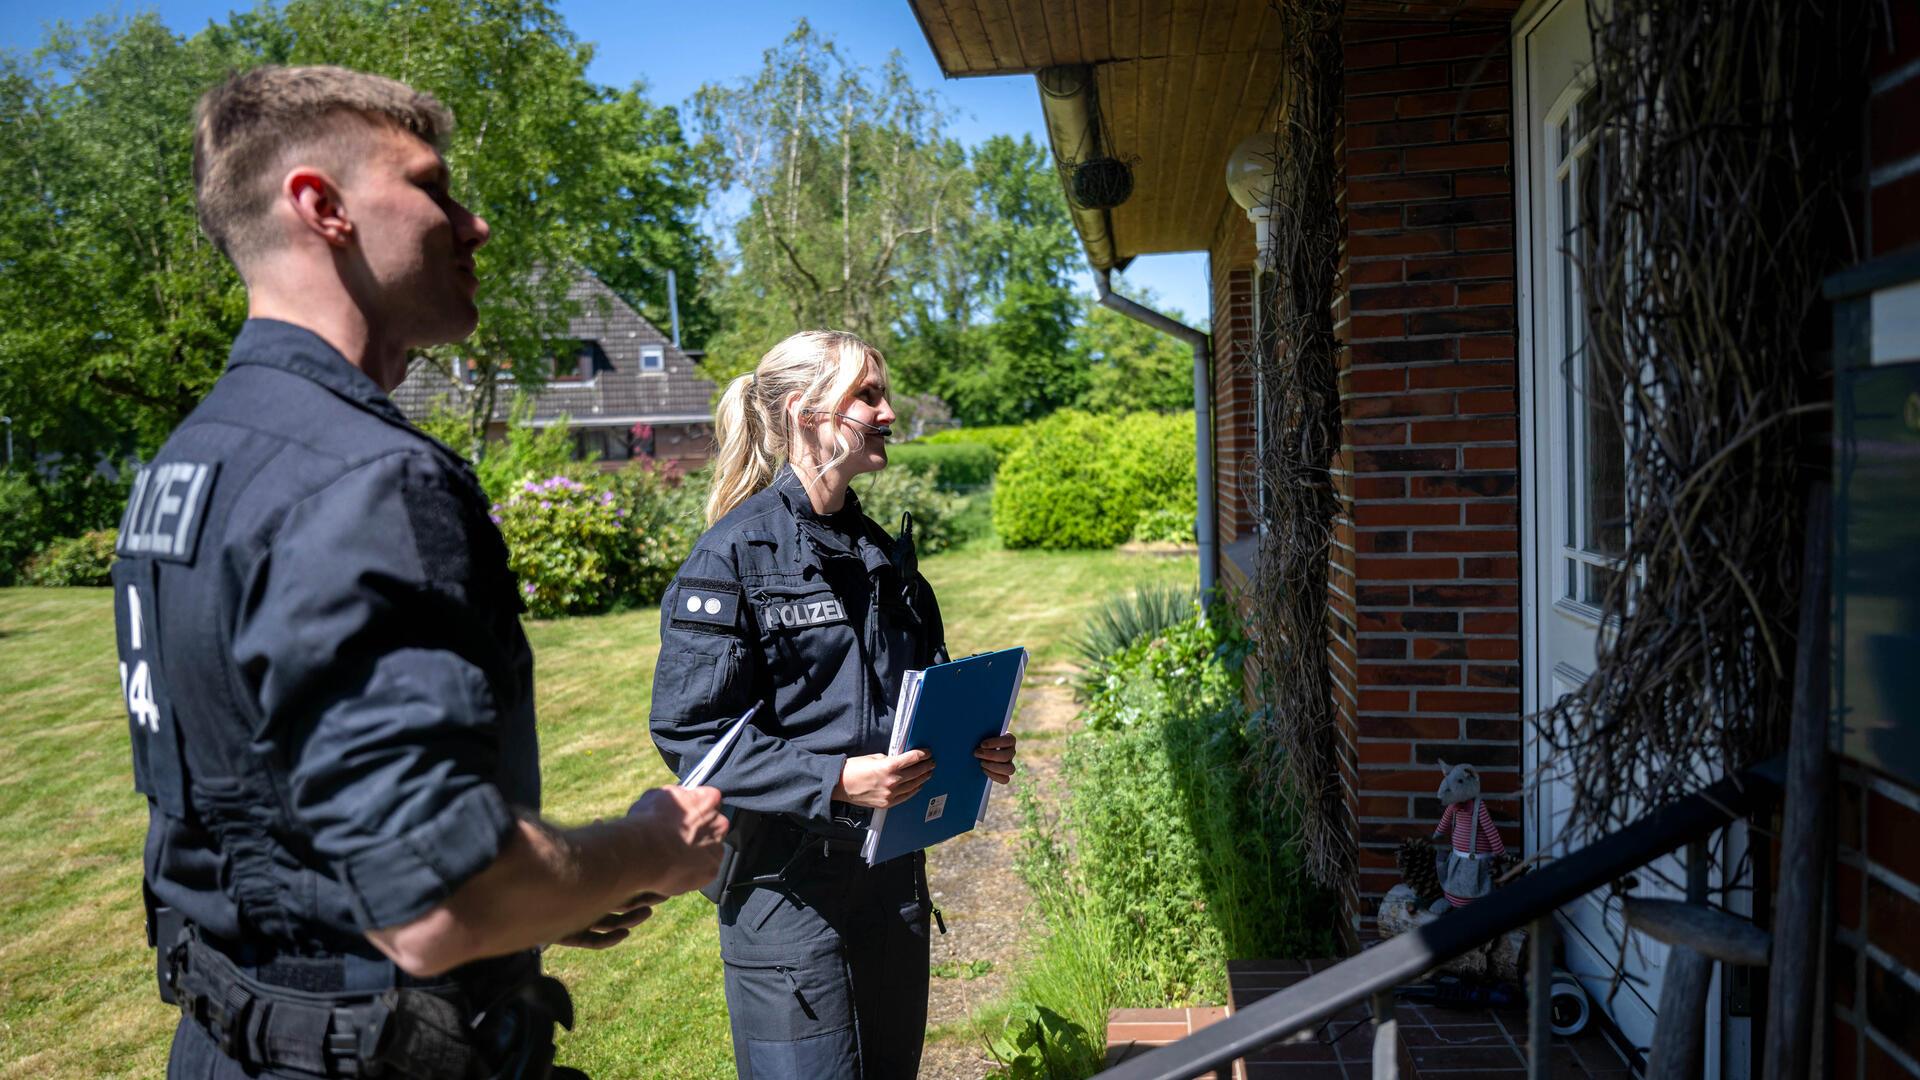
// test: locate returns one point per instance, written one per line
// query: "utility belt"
(763, 849)
(430, 1031)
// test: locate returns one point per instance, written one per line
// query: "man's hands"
(547, 883)
(683, 827)
(996, 758)
(883, 780)
(611, 929)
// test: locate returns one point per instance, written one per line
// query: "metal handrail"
(1374, 972)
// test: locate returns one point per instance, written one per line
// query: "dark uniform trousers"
(827, 973)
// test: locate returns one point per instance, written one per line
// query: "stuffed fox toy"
(1468, 873)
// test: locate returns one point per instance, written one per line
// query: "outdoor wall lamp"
(1251, 170)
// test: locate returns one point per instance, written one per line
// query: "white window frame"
(653, 359)
(1566, 334)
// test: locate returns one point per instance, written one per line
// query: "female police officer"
(796, 601)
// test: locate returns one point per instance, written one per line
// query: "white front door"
(1573, 469)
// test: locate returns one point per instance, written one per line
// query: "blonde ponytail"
(746, 461)
(751, 422)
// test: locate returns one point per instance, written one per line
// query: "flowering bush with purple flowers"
(578, 547)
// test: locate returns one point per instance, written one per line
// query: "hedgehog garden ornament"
(1469, 870)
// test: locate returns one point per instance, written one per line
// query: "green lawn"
(76, 984)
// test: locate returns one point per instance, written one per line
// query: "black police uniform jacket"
(817, 618)
(330, 696)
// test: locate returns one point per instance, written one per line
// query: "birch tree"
(844, 176)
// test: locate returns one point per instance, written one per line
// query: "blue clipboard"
(946, 710)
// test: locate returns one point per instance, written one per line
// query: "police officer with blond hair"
(329, 693)
(796, 601)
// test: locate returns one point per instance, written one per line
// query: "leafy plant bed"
(1162, 862)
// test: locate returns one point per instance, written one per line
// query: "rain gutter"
(1066, 103)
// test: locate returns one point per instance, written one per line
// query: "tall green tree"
(846, 179)
(115, 313)
(96, 198)
(1131, 367)
(990, 323)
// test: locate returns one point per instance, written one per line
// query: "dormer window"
(653, 358)
(577, 360)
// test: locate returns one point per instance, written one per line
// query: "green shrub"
(577, 550)
(961, 466)
(76, 497)
(22, 528)
(662, 496)
(1002, 437)
(528, 453)
(86, 559)
(1163, 525)
(1167, 860)
(38, 508)
(1083, 481)
(887, 494)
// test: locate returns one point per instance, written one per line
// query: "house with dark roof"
(621, 386)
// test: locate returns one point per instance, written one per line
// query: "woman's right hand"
(883, 780)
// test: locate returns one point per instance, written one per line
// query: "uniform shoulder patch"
(165, 510)
(705, 601)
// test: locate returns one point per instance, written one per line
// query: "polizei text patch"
(802, 613)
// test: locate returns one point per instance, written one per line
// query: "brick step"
(1481, 1044)
(1132, 1032)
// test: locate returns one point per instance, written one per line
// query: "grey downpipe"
(1202, 415)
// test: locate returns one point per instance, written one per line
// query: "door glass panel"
(1592, 530)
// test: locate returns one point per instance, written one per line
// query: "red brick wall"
(1231, 274)
(1873, 968)
(1423, 584)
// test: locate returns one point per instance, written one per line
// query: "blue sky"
(675, 47)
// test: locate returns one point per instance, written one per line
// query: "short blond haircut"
(245, 128)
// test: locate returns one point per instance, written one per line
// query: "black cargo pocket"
(753, 907)
(900, 635)
(792, 1010)
(159, 766)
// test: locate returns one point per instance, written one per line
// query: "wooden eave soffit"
(1179, 84)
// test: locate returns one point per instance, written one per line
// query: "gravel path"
(983, 900)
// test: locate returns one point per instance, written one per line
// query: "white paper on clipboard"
(718, 754)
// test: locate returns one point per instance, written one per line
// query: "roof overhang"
(1176, 85)
(1174, 88)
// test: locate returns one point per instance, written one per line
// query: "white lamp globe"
(1251, 169)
